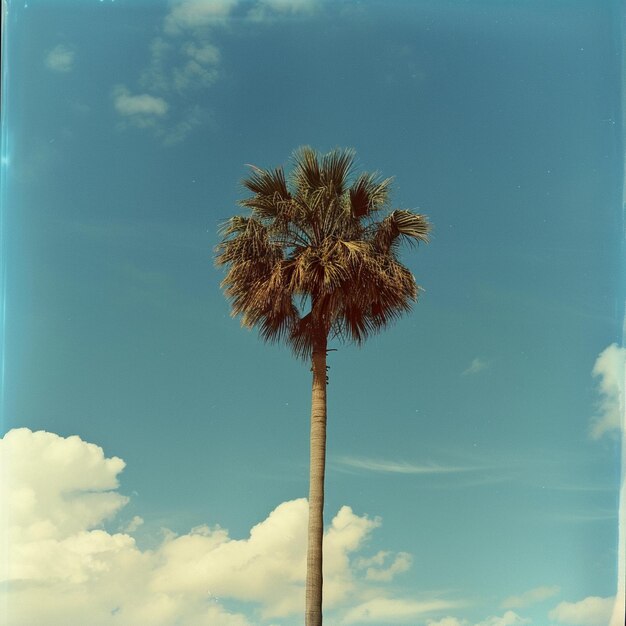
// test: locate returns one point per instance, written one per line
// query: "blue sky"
(157, 453)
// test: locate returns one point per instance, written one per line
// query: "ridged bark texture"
(313, 611)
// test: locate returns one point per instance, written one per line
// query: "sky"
(154, 454)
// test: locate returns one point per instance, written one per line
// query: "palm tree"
(316, 260)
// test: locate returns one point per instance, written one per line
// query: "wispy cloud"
(398, 467)
(185, 59)
(60, 59)
(393, 611)
(508, 619)
(583, 516)
(477, 365)
(609, 370)
(274, 9)
(538, 594)
(379, 567)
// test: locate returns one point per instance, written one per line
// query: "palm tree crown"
(316, 257)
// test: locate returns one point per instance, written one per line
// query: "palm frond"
(310, 239)
(270, 192)
(369, 194)
(336, 167)
(306, 175)
(399, 224)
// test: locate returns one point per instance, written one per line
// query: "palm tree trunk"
(313, 612)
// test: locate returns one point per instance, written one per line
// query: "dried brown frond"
(310, 240)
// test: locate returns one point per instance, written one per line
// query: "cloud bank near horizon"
(64, 567)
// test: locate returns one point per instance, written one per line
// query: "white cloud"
(393, 611)
(269, 9)
(375, 569)
(592, 611)
(67, 490)
(508, 619)
(538, 594)
(60, 59)
(193, 14)
(156, 76)
(133, 525)
(477, 365)
(193, 73)
(142, 106)
(609, 369)
(184, 57)
(398, 467)
(63, 568)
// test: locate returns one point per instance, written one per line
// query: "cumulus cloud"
(60, 59)
(448, 621)
(592, 611)
(538, 594)
(477, 365)
(609, 369)
(69, 489)
(138, 106)
(64, 568)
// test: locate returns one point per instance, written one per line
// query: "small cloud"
(508, 619)
(530, 597)
(140, 106)
(375, 569)
(155, 77)
(80, 108)
(393, 610)
(592, 611)
(194, 14)
(60, 59)
(398, 467)
(184, 58)
(609, 369)
(477, 365)
(133, 525)
(189, 120)
(270, 9)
